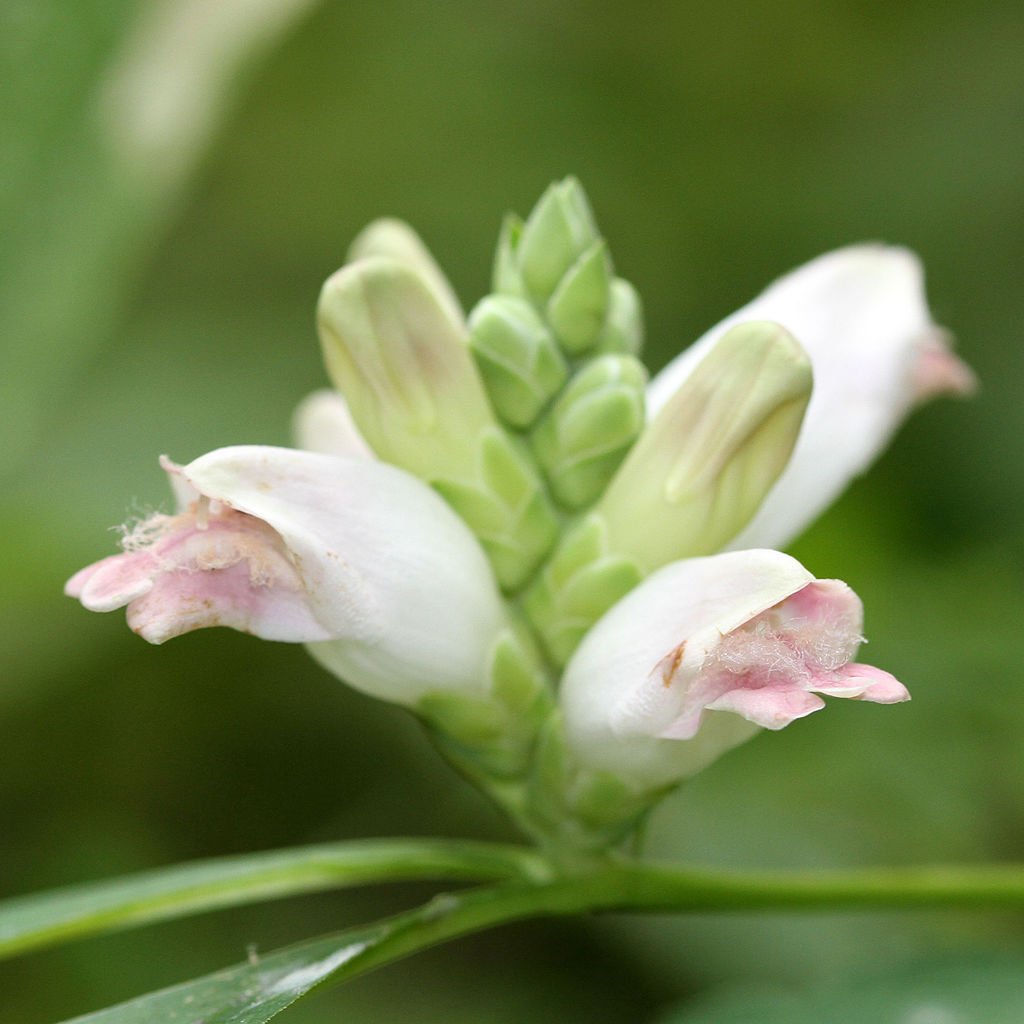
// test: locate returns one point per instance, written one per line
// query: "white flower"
(861, 315)
(707, 650)
(357, 558)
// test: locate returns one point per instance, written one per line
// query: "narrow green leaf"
(249, 993)
(48, 918)
(257, 991)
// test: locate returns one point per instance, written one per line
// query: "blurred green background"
(158, 272)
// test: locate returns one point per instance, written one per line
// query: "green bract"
(590, 428)
(519, 359)
(558, 261)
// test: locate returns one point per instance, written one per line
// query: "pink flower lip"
(772, 669)
(207, 566)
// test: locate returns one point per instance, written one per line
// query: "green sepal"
(623, 330)
(518, 358)
(579, 584)
(564, 617)
(592, 425)
(517, 675)
(580, 810)
(506, 278)
(505, 504)
(558, 231)
(577, 309)
(492, 735)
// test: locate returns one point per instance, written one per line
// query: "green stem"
(654, 888)
(34, 921)
(256, 991)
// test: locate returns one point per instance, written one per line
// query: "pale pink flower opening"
(208, 565)
(772, 668)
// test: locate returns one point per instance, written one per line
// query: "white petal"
(322, 423)
(391, 571)
(862, 317)
(614, 695)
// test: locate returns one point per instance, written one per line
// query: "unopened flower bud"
(587, 432)
(403, 365)
(406, 371)
(506, 278)
(557, 233)
(706, 461)
(518, 358)
(393, 239)
(578, 308)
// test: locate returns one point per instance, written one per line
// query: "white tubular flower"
(702, 654)
(360, 560)
(861, 315)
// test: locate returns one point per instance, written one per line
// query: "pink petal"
(770, 707)
(210, 566)
(939, 371)
(182, 600)
(865, 682)
(113, 582)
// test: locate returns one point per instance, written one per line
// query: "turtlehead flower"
(673, 653)
(707, 651)
(356, 558)
(861, 315)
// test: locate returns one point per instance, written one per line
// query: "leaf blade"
(31, 922)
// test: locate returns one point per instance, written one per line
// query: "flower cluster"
(497, 522)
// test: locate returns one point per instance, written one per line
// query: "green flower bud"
(706, 462)
(506, 506)
(579, 305)
(592, 425)
(404, 367)
(557, 233)
(395, 240)
(519, 360)
(558, 261)
(623, 329)
(582, 580)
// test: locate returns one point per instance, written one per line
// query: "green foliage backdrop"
(721, 144)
